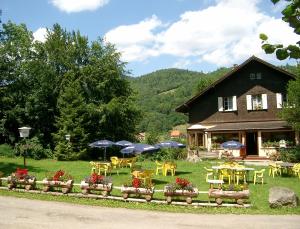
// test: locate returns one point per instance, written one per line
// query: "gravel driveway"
(32, 214)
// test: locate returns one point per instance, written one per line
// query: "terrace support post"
(208, 141)
(259, 144)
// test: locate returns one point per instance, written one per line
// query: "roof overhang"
(242, 126)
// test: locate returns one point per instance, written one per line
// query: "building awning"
(242, 126)
(199, 127)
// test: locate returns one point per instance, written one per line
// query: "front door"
(251, 143)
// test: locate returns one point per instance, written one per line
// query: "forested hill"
(160, 92)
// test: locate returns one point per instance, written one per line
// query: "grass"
(192, 171)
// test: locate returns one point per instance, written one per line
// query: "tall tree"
(291, 15)
(38, 78)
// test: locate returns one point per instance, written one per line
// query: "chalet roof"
(269, 125)
(185, 107)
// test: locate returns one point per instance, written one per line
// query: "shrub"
(290, 154)
(165, 154)
(6, 150)
(33, 149)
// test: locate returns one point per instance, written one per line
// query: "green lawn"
(192, 171)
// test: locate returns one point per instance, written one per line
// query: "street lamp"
(24, 133)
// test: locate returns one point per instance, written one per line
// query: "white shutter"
(264, 101)
(234, 105)
(249, 102)
(279, 100)
(220, 103)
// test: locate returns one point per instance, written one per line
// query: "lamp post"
(24, 133)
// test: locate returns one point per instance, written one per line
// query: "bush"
(165, 154)
(33, 149)
(6, 150)
(290, 154)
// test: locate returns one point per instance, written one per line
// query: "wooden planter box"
(27, 183)
(188, 195)
(66, 187)
(86, 188)
(148, 193)
(220, 194)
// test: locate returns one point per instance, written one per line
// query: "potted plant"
(59, 179)
(137, 187)
(21, 177)
(181, 188)
(236, 192)
(96, 182)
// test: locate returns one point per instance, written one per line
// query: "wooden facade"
(243, 106)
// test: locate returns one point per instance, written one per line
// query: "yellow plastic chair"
(296, 170)
(131, 161)
(159, 167)
(106, 167)
(259, 175)
(146, 177)
(169, 167)
(225, 174)
(209, 172)
(239, 175)
(94, 167)
(274, 169)
(115, 163)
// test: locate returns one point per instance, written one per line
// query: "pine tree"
(73, 116)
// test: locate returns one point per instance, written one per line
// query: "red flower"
(58, 175)
(182, 182)
(95, 178)
(21, 173)
(136, 182)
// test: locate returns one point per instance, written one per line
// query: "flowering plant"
(180, 183)
(137, 183)
(20, 174)
(59, 175)
(97, 179)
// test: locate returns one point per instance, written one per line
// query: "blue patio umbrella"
(138, 148)
(123, 143)
(232, 145)
(102, 144)
(170, 144)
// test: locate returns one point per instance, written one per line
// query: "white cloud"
(40, 34)
(137, 41)
(222, 34)
(74, 6)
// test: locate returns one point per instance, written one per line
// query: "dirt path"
(32, 214)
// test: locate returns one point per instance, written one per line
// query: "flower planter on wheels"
(238, 196)
(86, 188)
(146, 192)
(187, 194)
(66, 186)
(28, 184)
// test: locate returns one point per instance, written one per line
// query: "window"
(257, 102)
(281, 100)
(255, 76)
(227, 103)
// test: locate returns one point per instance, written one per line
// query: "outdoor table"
(286, 166)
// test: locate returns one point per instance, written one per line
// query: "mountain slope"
(160, 92)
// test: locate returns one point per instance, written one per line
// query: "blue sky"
(200, 35)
